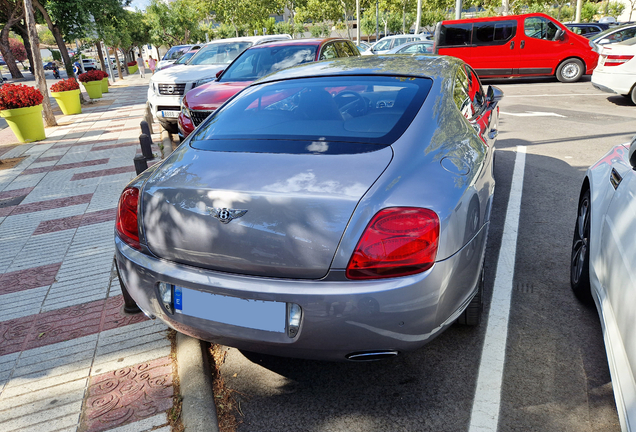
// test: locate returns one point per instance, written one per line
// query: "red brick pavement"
(73, 222)
(102, 173)
(46, 205)
(27, 279)
(62, 167)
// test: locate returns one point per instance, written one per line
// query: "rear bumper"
(339, 316)
(614, 82)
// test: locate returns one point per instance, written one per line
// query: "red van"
(517, 45)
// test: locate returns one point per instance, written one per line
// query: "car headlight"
(184, 109)
(203, 81)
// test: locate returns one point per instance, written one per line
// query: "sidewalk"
(70, 359)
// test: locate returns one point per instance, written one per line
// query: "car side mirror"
(632, 153)
(494, 94)
(219, 73)
(560, 35)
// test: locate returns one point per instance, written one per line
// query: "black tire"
(580, 258)
(173, 128)
(632, 95)
(570, 70)
(472, 314)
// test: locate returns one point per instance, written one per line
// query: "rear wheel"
(571, 70)
(633, 94)
(580, 260)
(472, 314)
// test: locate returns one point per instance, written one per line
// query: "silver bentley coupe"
(603, 265)
(336, 210)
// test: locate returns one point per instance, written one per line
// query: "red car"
(252, 64)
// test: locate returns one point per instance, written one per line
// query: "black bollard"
(141, 164)
(146, 142)
(145, 128)
(130, 307)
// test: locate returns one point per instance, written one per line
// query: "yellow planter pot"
(69, 101)
(94, 89)
(26, 123)
(105, 85)
(132, 69)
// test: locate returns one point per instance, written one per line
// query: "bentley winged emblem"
(226, 215)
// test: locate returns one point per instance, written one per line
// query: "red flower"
(14, 96)
(94, 75)
(65, 85)
(104, 74)
(132, 63)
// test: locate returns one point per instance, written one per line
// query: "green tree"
(175, 23)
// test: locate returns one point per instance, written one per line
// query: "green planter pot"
(132, 69)
(105, 85)
(94, 89)
(26, 123)
(69, 101)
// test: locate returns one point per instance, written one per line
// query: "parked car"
(183, 59)
(517, 45)
(603, 264)
(415, 47)
(252, 64)
(90, 64)
(587, 29)
(293, 221)
(167, 87)
(363, 46)
(49, 65)
(388, 42)
(615, 34)
(172, 55)
(616, 70)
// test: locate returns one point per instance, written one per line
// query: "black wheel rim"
(580, 246)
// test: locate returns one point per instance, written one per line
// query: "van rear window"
(494, 33)
(455, 35)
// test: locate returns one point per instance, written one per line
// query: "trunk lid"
(297, 207)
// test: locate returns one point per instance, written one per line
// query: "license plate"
(253, 314)
(171, 114)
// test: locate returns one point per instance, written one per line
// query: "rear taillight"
(398, 241)
(617, 60)
(126, 221)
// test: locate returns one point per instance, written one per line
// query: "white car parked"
(603, 265)
(389, 42)
(616, 69)
(168, 86)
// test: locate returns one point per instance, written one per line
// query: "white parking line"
(485, 414)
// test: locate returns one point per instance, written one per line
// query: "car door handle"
(512, 45)
(523, 43)
(615, 178)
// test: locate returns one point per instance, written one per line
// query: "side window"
(344, 49)
(382, 45)
(494, 33)
(540, 28)
(328, 52)
(623, 35)
(460, 93)
(475, 91)
(455, 35)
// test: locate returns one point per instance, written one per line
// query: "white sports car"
(603, 265)
(616, 69)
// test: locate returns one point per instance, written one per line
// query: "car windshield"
(222, 52)
(604, 33)
(366, 109)
(259, 62)
(175, 52)
(184, 58)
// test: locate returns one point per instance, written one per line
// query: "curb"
(198, 412)
(166, 143)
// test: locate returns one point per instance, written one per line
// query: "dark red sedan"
(252, 64)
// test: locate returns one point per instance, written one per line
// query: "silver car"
(335, 210)
(603, 269)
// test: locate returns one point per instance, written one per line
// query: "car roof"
(430, 66)
(498, 18)
(297, 42)
(254, 39)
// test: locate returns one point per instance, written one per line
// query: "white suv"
(89, 64)
(168, 86)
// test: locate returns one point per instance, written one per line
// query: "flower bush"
(104, 74)
(94, 75)
(65, 85)
(14, 96)
(132, 63)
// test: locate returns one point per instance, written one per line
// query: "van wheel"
(571, 70)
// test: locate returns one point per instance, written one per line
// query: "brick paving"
(70, 359)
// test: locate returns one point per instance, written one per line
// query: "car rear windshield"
(368, 109)
(259, 62)
(175, 52)
(219, 53)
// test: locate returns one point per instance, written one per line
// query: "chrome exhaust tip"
(372, 355)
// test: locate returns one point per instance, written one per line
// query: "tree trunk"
(68, 64)
(102, 61)
(418, 19)
(14, 16)
(22, 30)
(119, 70)
(38, 68)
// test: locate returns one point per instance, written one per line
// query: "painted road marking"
(533, 114)
(486, 404)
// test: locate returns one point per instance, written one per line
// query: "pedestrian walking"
(152, 64)
(142, 66)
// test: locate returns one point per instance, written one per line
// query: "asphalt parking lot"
(553, 373)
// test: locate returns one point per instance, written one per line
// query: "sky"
(139, 4)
